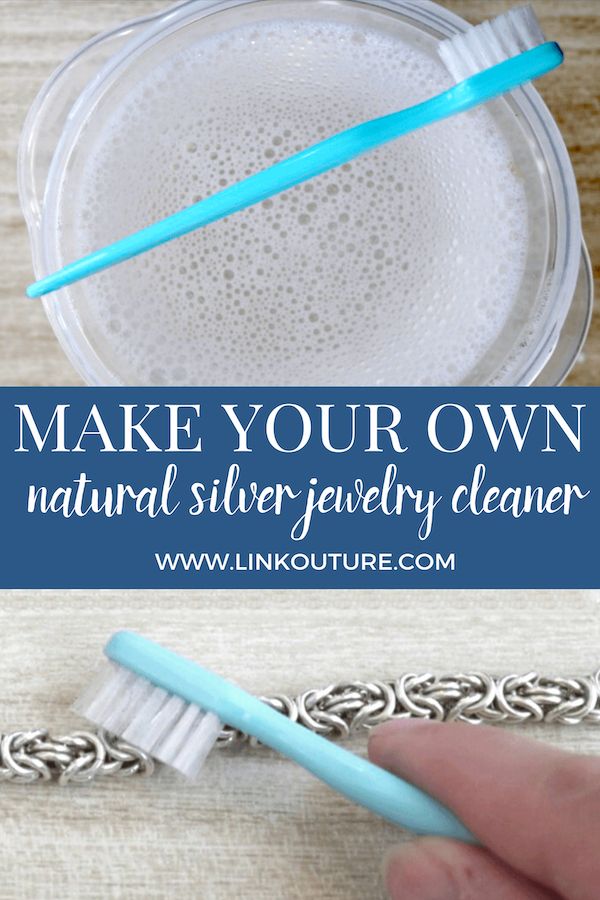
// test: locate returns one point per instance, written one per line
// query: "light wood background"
(36, 35)
(257, 826)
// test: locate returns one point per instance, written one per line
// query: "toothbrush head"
(495, 41)
(172, 708)
(173, 731)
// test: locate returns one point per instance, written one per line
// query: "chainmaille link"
(339, 710)
(32, 756)
(335, 711)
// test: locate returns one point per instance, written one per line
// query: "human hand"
(535, 809)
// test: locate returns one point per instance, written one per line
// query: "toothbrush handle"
(357, 778)
(315, 160)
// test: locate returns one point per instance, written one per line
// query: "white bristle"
(492, 42)
(190, 741)
(152, 720)
(177, 733)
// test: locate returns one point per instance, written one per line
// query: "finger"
(438, 869)
(535, 807)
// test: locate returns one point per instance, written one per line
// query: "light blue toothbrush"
(486, 61)
(172, 708)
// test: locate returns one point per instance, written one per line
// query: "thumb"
(440, 869)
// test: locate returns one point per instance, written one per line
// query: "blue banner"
(300, 487)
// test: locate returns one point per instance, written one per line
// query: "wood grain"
(256, 826)
(36, 35)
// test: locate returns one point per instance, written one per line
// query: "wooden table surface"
(37, 35)
(256, 826)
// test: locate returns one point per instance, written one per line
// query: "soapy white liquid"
(400, 268)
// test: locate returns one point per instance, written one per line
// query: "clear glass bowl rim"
(144, 31)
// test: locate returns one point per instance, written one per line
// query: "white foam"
(400, 268)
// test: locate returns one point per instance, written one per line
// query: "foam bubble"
(400, 267)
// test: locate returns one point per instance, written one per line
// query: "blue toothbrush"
(172, 709)
(486, 61)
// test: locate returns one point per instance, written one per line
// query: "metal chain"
(335, 711)
(31, 756)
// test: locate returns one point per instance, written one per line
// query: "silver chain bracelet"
(335, 711)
